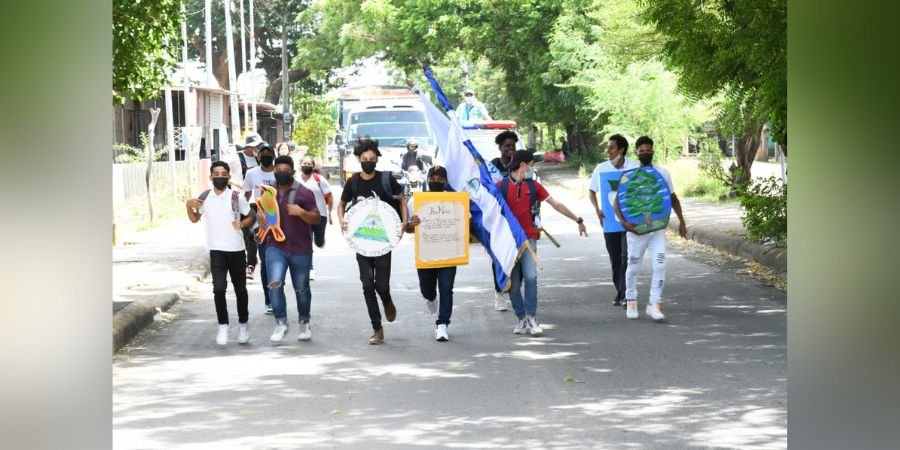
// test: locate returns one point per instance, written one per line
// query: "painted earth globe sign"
(373, 227)
(644, 198)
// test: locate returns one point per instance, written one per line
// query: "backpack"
(535, 205)
(394, 200)
(319, 182)
(241, 156)
(235, 203)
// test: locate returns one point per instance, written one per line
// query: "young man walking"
(506, 142)
(297, 211)
(616, 244)
(432, 281)
(523, 194)
(374, 272)
(221, 209)
(248, 156)
(263, 174)
(654, 241)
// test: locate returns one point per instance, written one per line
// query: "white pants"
(655, 242)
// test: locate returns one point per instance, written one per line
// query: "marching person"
(320, 187)
(506, 142)
(374, 272)
(297, 211)
(523, 194)
(221, 210)
(654, 241)
(262, 174)
(616, 244)
(432, 281)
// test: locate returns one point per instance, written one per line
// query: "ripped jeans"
(277, 263)
(655, 243)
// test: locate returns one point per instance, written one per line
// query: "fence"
(128, 179)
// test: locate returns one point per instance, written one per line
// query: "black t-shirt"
(366, 188)
(498, 163)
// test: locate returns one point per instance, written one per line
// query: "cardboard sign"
(442, 236)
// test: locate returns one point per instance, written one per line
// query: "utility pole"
(285, 102)
(232, 77)
(244, 65)
(170, 139)
(252, 67)
(189, 110)
(209, 75)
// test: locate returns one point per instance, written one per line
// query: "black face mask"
(436, 186)
(368, 166)
(306, 169)
(220, 182)
(284, 178)
(266, 160)
(645, 159)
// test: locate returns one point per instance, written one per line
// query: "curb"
(772, 257)
(137, 315)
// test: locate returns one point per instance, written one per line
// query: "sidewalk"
(151, 269)
(717, 226)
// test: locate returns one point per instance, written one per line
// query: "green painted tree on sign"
(642, 196)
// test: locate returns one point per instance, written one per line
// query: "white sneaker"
(312, 274)
(431, 306)
(533, 328)
(243, 334)
(222, 337)
(280, 330)
(440, 333)
(631, 311)
(654, 312)
(500, 301)
(305, 332)
(521, 327)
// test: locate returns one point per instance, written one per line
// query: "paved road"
(714, 375)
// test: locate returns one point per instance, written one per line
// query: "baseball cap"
(468, 91)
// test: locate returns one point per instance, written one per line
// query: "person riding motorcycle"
(413, 168)
(411, 156)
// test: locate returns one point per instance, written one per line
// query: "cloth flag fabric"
(492, 222)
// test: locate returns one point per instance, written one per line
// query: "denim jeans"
(432, 280)
(375, 275)
(222, 264)
(263, 274)
(278, 262)
(525, 268)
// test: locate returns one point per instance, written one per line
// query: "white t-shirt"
(665, 174)
(258, 176)
(319, 188)
(217, 215)
(607, 166)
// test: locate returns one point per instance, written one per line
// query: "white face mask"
(470, 100)
(529, 174)
(615, 160)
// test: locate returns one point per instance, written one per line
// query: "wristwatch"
(579, 221)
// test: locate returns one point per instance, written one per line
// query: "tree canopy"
(144, 46)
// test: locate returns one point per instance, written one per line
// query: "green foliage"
(314, 124)
(765, 210)
(125, 154)
(146, 37)
(735, 47)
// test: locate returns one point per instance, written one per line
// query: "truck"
(388, 114)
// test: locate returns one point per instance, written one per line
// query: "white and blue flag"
(493, 223)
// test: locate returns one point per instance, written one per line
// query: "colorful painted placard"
(644, 198)
(373, 227)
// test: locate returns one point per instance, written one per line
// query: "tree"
(738, 48)
(270, 16)
(145, 47)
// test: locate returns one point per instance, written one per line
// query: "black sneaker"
(618, 302)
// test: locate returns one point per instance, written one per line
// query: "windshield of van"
(390, 128)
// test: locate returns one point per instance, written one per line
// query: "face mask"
(470, 100)
(220, 182)
(646, 158)
(435, 186)
(266, 160)
(306, 169)
(284, 178)
(529, 174)
(368, 166)
(615, 160)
